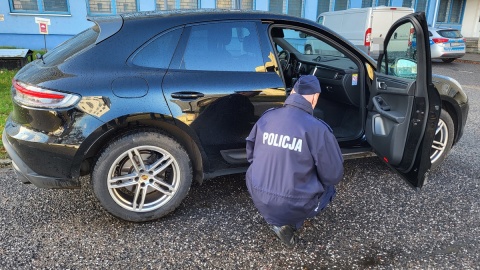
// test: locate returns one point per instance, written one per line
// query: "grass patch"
(6, 77)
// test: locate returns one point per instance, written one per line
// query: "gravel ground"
(376, 221)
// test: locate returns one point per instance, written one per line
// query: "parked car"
(147, 102)
(446, 44)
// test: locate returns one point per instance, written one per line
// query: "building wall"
(471, 19)
(20, 30)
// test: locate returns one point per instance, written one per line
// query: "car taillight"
(367, 38)
(33, 96)
(440, 40)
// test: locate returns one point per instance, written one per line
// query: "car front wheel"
(142, 176)
(442, 143)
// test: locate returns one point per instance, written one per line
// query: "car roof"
(110, 25)
(210, 14)
(201, 15)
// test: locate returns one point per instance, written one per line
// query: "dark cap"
(307, 85)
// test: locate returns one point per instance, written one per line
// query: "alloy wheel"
(143, 178)
(440, 141)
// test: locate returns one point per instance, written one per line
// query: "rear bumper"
(26, 175)
(438, 52)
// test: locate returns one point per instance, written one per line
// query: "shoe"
(286, 234)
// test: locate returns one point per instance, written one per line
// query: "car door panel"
(388, 119)
(404, 106)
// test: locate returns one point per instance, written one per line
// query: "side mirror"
(405, 68)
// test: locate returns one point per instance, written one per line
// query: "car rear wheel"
(442, 143)
(448, 60)
(142, 176)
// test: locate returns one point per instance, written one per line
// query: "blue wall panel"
(355, 3)
(146, 5)
(20, 30)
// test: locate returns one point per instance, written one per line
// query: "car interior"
(341, 98)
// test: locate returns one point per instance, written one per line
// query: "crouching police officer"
(295, 162)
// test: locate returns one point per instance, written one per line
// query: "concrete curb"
(466, 61)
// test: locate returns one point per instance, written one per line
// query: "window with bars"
(421, 5)
(341, 5)
(290, 7)
(450, 11)
(226, 4)
(165, 4)
(276, 6)
(246, 4)
(323, 6)
(382, 3)
(108, 7)
(234, 4)
(39, 6)
(367, 3)
(456, 12)
(176, 4)
(295, 8)
(407, 3)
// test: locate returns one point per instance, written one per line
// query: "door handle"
(187, 95)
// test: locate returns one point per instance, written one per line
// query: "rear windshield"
(450, 33)
(71, 46)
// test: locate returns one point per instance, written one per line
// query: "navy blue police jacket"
(293, 158)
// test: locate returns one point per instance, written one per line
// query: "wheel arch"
(451, 106)
(99, 139)
(454, 101)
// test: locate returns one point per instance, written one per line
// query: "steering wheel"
(284, 57)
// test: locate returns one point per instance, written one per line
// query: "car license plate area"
(456, 44)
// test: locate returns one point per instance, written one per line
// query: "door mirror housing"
(405, 68)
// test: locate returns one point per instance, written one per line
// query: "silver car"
(446, 43)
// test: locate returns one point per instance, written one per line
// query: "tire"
(442, 143)
(448, 60)
(153, 175)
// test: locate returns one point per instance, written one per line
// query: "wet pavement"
(376, 221)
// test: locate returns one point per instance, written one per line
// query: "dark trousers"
(326, 198)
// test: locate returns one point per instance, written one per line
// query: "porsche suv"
(146, 103)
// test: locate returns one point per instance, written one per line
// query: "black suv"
(147, 102)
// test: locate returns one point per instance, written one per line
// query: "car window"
(231, 46)
(158, 52)
(71, 46)
(309, 45)
(450, 33)
(399, 58)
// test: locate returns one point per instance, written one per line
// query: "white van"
(364, 27)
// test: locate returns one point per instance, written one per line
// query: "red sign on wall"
(43, 28)
(43, 24)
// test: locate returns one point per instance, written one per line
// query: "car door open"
(404, 106)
